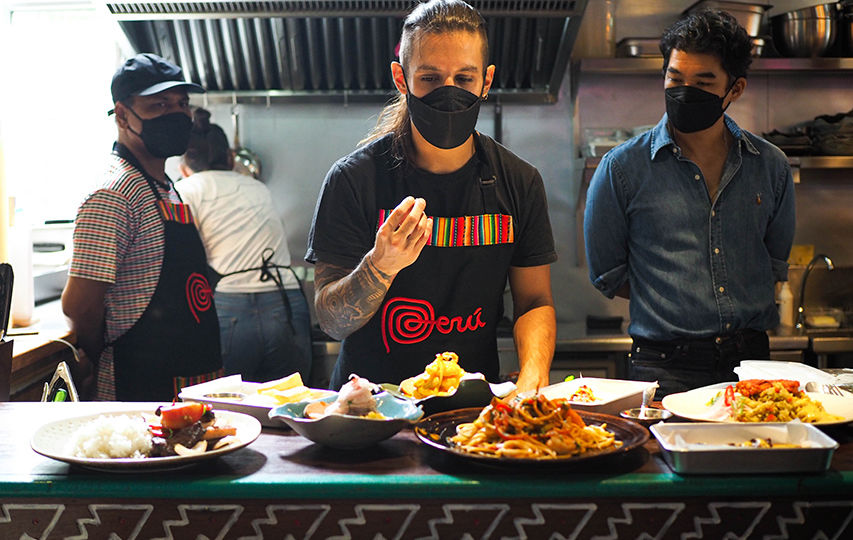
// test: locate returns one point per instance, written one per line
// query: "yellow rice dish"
(776, 403)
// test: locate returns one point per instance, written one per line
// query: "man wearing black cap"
(137, 297)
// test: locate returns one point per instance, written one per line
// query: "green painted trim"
(324, 486)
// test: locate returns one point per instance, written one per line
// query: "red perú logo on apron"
(408, 320)
(199, 294)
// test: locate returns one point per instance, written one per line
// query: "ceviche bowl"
(350, 432)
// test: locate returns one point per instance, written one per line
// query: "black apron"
(449, 299)
(175, 343)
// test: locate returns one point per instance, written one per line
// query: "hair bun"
(201, 119)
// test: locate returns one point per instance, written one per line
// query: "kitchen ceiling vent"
(328, 50)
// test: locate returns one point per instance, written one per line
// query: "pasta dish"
(535, 427)
(759, 400)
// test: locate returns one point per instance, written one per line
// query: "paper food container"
(611, 395)
(714, 448)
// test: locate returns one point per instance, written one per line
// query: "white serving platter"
(232, 393)
(612, 395)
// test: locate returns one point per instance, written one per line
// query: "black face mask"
(446, 116)
(693, 109)
(166, 135)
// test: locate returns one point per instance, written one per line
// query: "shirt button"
(716, 251)
(722, 289)
(728, 325)
(697, 177)
(713, 213)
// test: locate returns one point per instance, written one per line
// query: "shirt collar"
(661, 138)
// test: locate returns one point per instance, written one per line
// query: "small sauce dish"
(647, 416)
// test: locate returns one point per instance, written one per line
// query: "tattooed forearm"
(346, 299)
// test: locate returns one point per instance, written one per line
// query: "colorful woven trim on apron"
(179, 213)
(483, 230)
(180, 383)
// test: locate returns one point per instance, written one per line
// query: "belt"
(734, 339)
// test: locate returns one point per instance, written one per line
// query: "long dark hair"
(433, 17)
(208, 148)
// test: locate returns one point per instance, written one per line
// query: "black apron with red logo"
(450, 299)
(175, 343)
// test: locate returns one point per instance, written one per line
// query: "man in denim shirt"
(694, 219)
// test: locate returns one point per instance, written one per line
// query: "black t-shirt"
(449, 299)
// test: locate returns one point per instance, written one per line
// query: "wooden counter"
(285, 485)
(37, 349)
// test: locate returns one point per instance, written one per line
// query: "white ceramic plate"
(694, 405)
(611, 395)
(50, 440)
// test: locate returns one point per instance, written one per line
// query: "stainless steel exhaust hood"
(339, 50)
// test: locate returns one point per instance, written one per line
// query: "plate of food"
(444, 385)
(715, 448)
(534, 431)
(358, 416)
(172, 436)
(605, 396)
(760, 400)
(256, 399)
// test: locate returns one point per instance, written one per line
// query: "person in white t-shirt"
(264, 320)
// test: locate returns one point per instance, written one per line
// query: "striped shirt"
(118, 239)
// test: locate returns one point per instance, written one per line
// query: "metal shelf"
(653, 65)
(822, 162)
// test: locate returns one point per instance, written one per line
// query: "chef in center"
(417, 231)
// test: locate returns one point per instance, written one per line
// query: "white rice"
(111, 437)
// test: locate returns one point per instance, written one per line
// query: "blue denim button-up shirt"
(696, 267)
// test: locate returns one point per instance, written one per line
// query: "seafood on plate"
(765, 400)
(354, 399)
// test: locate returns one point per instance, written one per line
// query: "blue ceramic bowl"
(350, 432)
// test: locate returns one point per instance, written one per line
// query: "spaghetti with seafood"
(535, 427)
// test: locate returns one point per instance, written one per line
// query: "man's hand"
(344, 298)
(402, 237)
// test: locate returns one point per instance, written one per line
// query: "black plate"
(436, 430)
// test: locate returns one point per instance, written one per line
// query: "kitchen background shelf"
(635, 66)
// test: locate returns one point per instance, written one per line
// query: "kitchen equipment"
(805, 32)
(635, 47)
(824, 388)
(61, 383)
(7, 278)
(748, 15)
(757, 46)
(245, 161)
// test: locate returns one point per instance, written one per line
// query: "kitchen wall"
(299, 143)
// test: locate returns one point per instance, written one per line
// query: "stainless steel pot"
(805, 32)
(245, 161)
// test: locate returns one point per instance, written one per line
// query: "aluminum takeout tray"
(705, 448)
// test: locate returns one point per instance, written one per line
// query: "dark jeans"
(684, 364)
(257, 341)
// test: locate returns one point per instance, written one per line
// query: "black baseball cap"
(146, 74)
